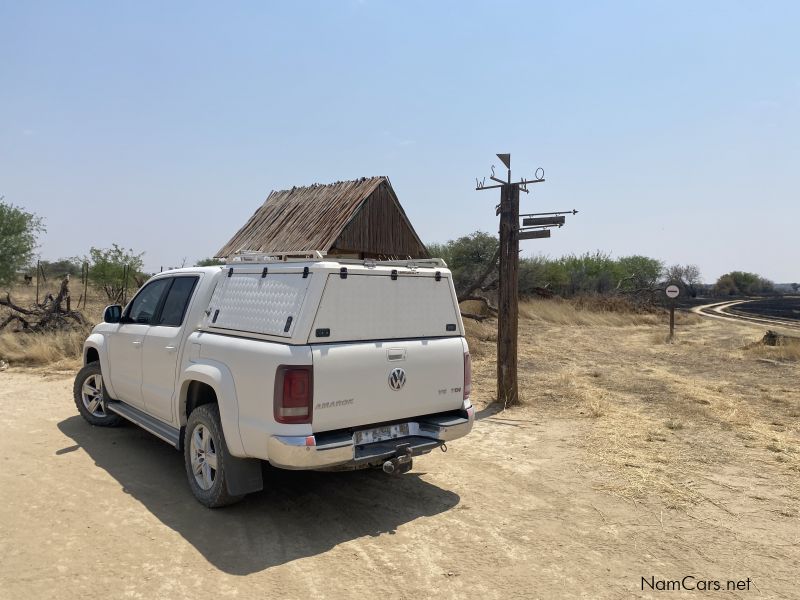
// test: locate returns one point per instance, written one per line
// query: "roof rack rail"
(259, 257)
(316, 255)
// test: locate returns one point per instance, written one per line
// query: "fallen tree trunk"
(48, 316)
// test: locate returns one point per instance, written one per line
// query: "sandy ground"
(615, 470)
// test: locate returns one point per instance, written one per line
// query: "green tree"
(638, 272)
(108, 268)
(742, 283)
(18, 232)
(590, 273)
(209, 262)
(468, 257)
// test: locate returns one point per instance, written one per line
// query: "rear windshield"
(376, 307)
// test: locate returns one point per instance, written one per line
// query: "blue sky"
(672, 126)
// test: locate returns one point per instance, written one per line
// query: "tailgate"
(372, 382)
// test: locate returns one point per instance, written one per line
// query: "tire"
(203, 439)
(89, 394)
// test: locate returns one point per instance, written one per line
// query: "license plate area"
(380, 434)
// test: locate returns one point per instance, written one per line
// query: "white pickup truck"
(306, 364)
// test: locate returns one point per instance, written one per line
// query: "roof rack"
(315, 255)
(260, 257)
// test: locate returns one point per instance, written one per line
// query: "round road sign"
(672, 291)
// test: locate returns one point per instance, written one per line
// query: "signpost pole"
(671, 320)
(672, 291)
(507, 392)
(508, 285)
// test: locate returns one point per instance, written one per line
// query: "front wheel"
(88, 393)
(205, 454)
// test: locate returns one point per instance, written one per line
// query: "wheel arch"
(200, 380)
(95, 349)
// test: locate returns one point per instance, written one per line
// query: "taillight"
(467, 375)
(293, 394)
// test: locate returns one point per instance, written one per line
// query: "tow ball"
(401, 463)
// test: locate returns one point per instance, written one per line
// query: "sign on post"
(672, 291)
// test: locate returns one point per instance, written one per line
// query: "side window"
(146, 302)
(177, 301)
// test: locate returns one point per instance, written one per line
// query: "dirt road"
(722, 310)
(528, 506)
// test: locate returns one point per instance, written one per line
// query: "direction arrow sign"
(672, 291)
(543, 221)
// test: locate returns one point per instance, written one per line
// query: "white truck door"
(125, 345)
(162, 347)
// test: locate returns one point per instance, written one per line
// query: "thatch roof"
(360, 217)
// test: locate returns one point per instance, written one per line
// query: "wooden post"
(508, 301)
(124, 283)
(37, 283)
(507, 322)
(85, 283)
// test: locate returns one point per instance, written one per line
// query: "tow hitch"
(401, 463)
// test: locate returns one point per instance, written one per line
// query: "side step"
(158, 428)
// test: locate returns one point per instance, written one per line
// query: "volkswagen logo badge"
(397, 379)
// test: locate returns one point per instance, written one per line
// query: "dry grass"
(58, 349)
(672, 420)
(591, 311)
(787, 351)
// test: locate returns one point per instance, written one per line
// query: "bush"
(209, 262)
(467, 257)
(110, 267)
(62, 266)
(742, 283)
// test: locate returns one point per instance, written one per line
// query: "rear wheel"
(205, 455)
(89, 392)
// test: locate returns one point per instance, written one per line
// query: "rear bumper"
(322, 451)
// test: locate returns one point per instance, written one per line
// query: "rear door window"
(177, 301)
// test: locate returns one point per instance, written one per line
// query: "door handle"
(170, 348)
(137, 342)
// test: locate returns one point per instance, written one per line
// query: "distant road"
(784, 312)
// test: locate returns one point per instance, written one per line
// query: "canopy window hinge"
(305, 272)
(216, 314)
(438, 276)
(264, 272)
(343, 272)
(230, 271)
(394, 274)
(288, 325)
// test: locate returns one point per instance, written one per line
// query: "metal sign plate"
(532, 235)
(672, 291)
(533, 221)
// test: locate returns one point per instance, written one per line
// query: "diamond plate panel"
(252, 303)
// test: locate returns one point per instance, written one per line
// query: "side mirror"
(112, 313)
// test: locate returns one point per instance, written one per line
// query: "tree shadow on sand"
(299, 513)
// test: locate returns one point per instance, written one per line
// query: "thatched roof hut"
(360, 219)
